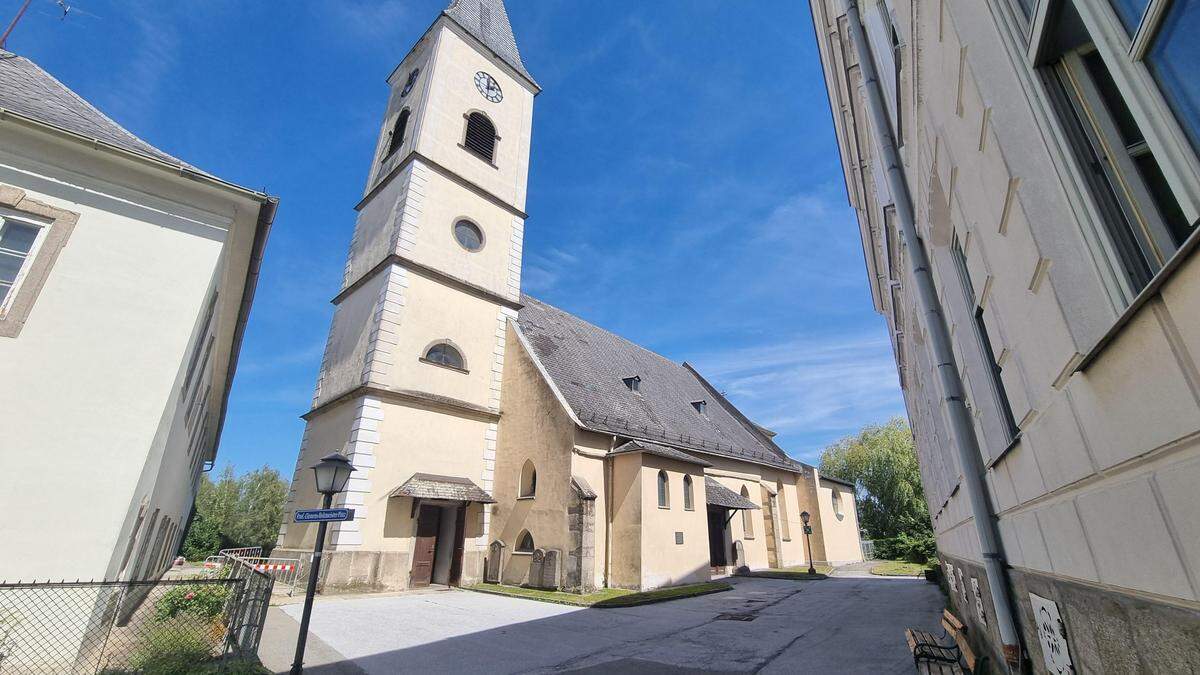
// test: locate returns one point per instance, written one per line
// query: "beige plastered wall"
(588, 463)
(533, 427)
(664, 560)
(839, 526)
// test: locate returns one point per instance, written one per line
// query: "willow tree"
(881, 461)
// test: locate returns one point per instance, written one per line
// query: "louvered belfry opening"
(481, 136)
(398, 132)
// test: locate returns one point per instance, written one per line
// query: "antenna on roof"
(8, 31)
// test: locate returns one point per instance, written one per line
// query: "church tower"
(409, 387)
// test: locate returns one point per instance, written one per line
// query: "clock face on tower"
(487, 85)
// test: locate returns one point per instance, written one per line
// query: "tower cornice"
(413, 156)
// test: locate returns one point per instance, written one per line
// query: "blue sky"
(682, 149)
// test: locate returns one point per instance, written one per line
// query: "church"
(494, 436)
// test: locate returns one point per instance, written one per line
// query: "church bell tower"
(409, 387)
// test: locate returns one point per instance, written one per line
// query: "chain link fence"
(114, 627)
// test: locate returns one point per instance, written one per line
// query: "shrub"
(916, 549)
(206, 601)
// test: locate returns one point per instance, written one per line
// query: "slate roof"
(29, 91)
(432, 486)
(659, 450)
(487, 21)
(719, 495)
(587, 364)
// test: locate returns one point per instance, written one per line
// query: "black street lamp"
(808, 541)
(332, 473)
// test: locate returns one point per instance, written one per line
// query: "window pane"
(1173, 60)
(468, 235)
(17, 236)
(10, 265)
(1131, 11)
(1169, 208)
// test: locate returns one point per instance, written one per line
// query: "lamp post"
(808, 541)
(331, 472)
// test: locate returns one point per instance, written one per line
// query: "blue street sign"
(323, 515)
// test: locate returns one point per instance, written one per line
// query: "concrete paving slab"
(834, 625)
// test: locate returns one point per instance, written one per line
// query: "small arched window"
(481, 136)
(837, 502)
(528, 479)
(664, 491)
(445, 355)
(747, 519)
(468, 235)
(687, 494)
(398, 131)
(524, 542)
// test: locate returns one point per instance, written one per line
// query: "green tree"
(235, 512)
(881, 460)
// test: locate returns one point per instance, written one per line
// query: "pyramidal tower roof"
(487, 21)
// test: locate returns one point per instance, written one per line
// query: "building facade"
(476, 452)
(1027, 187)
(126, 278)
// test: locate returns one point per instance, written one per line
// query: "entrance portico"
(723, 504)
(439, 507)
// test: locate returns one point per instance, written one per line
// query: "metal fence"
(114, 627)
(868, 549)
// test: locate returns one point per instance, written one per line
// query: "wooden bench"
(930, 656)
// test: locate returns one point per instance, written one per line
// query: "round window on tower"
(469, 235)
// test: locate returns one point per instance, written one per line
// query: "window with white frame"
(1121, 74)
(18, 246)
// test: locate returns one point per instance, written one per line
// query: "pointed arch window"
(528, 480)
(664, 491)
(747, 519)
(444, 354)
(524, 542)
(688, 503)
(398, 131)
(481, 136)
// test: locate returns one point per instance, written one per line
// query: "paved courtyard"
(839, 625)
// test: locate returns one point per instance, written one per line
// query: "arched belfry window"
(444, 354)
(664, 491)
(688, 504)
(398, 131)
(528, 480)
(524, 542)
(747, 519)
(481, 136)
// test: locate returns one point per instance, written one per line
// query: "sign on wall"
(979, 614)
(1052, 634)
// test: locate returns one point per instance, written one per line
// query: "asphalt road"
(838, 625)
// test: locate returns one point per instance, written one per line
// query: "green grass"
(899, 568)
(606, 597)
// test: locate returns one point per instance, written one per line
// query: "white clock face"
(487, 85)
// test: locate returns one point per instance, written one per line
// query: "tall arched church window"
(445, 355)
(481, 136)
(747, 518)
(664, 491)
(688, 504)
(528, 479)
(398, 131)
(783, 511)
(524, 542)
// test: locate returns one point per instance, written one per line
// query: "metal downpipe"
(962, 429)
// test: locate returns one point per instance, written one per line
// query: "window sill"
(687, 509)
(522, 552)
(525, 497)
(664, 508)
(1143, 297)
(456, 369)
(480, 157)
